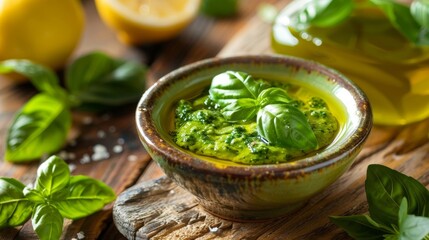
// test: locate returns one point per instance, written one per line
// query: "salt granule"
(132, 158)
(80, 235)
(100, 153)
(118, 149)
(85, 159)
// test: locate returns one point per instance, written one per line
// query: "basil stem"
(40, 127)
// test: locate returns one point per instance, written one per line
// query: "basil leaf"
(361, 227)
(53, 175)
(273, 95)
(411, 227)
(98, 80)
(15, 209)
(285, 126)
(324, 13)
(85, 196)
(385, 189)
(40, 127)
(240, 110)
(230, 86)
(44, 79)
(420, 12)
(401, 18)
(47, 222)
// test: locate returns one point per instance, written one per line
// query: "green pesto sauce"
(202, 129)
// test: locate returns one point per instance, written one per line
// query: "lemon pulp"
(147, 21)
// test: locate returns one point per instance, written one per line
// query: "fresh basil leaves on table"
(398, 208)
(242, 98)
(56, 195)
(412, 21)
(93, 82)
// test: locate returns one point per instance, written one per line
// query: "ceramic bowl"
(251, 192)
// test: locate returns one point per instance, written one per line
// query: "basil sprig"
(411, 21)
(56, 195)
(242, 98)
(398, 208)
(94, 81)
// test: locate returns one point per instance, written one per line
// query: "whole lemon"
(44, 31)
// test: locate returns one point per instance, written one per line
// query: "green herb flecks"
(56, 195)
(398, 208)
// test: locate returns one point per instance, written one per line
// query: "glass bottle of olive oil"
(392, 71)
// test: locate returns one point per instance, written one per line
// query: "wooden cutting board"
(161, 210)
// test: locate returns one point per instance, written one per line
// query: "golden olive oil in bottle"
(369, 50)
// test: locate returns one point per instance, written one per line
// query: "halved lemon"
(147, 21)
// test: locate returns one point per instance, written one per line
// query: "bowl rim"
(146, 127)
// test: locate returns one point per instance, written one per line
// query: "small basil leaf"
(240, 110)
(420, 12)
(273, 95)
(285, 126)
(414, 227)
(229, 86)
(411, 227)
(53, 175)
(96, 79)
(15, 209)
(403, 211)
(85, 196)
(385, 189)
(401, 18)
(40, 127)
(361, 227)
(44, 79)
(47, 222)
(324, 13)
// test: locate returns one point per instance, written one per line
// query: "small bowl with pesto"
(253, 137)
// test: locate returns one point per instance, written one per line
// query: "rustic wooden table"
(405, 149)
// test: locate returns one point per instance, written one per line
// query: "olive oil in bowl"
(369, 50)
